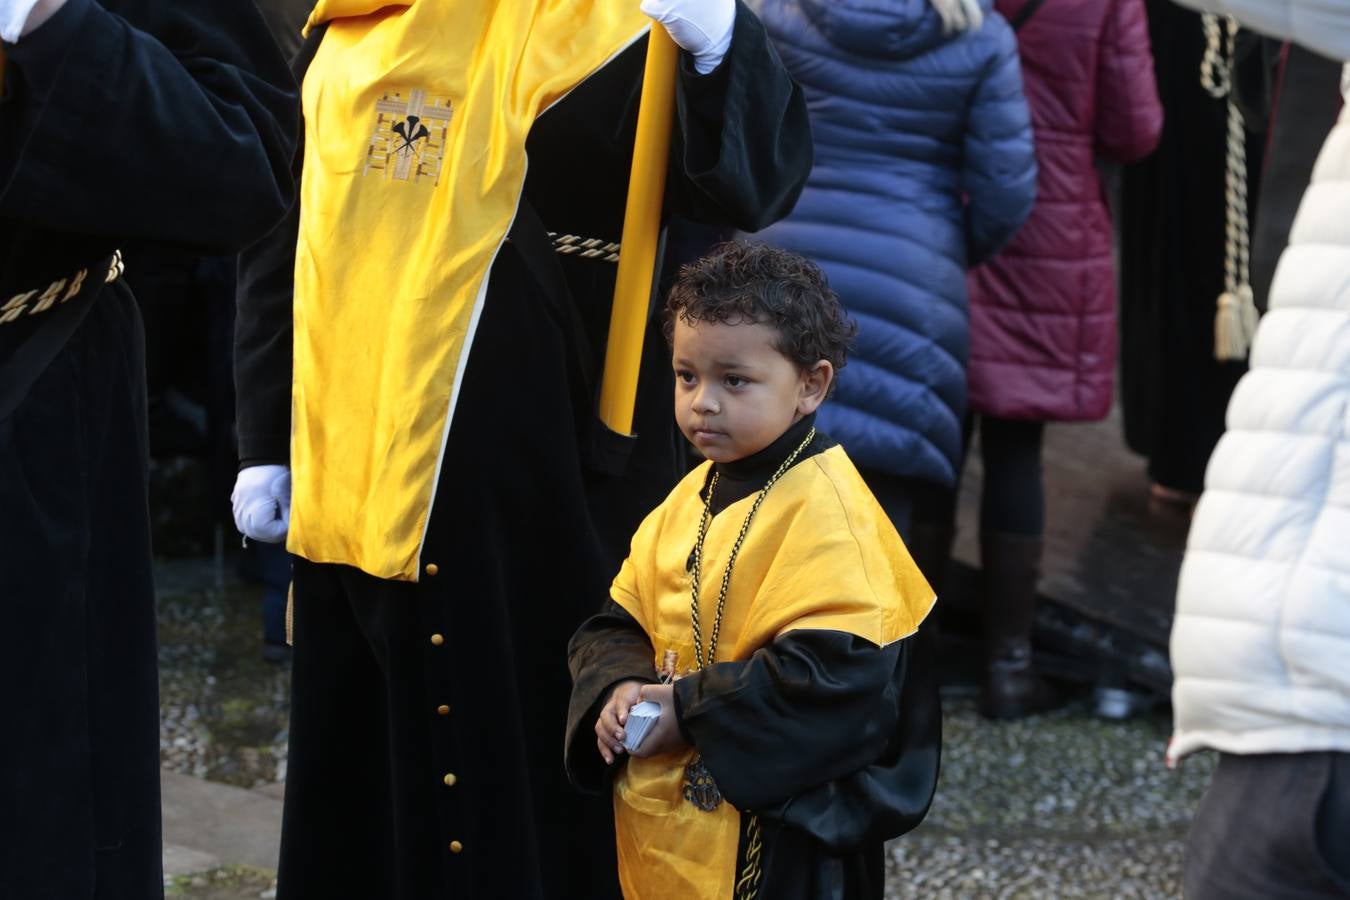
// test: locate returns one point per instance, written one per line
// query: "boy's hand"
(665, 735)
(613, 716)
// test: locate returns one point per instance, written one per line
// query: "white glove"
(702, 27)
(18, 17)
(958, 15)
(262, 503)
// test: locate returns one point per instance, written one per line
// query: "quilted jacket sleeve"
(1129, 114)
(1320, 25)
(999, 172)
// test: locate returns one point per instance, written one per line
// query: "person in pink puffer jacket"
(1043, 312)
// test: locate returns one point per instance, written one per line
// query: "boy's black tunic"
(426, 717)
(121, 120)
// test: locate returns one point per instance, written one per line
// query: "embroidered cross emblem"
(408, 142)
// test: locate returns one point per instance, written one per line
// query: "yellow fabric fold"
(416, 117)
(820, 554)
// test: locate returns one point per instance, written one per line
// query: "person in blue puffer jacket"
(924, 166)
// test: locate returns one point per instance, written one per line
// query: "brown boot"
(1012, 688)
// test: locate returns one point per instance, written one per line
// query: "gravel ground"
(946, 866)
(223, 710)
(1062, 805)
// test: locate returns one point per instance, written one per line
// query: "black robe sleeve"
(608, 648)
(821, 731)
(264, 325)
(172, 122)
(743, 150)
(891, 795)
(740, 154)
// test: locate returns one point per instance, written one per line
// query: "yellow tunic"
(820, 554)
(416, 115)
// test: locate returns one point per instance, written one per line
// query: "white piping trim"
(474, 318)
(609, 59)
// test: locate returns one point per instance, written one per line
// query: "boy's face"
(735, 393)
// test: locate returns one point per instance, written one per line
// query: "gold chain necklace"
(731, 561)
(699, 787)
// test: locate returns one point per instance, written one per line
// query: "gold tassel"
(1236, 316)
(1235, 324)
(290, 614)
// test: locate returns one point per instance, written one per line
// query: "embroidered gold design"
(408, 143)
(747, 886)
(700, 788)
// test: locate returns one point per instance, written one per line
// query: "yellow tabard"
(820, 554)
(416, 116)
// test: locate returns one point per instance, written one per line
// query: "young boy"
(770, 609)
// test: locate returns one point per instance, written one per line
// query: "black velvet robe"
(529, 521)
(121, 120)
(1174, 393)
(859, 762)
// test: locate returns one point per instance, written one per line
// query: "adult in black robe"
(427, 717)
(120, 120)
(1174, 392)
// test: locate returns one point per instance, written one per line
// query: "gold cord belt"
(584, 247)
(36, 301)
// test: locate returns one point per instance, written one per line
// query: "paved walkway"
(208, 825)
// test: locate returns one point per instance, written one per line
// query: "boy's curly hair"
(741, 281)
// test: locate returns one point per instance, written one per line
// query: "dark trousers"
(274, 566)
(1013, 499)
(79, 757)
(1272, 825)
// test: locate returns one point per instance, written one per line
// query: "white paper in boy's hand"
(641, 718)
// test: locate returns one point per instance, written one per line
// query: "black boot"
(1012, 688)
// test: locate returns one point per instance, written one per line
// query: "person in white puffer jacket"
(1261, 639)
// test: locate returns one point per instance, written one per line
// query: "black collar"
(741, 478)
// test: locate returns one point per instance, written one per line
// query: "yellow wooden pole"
(641, 233)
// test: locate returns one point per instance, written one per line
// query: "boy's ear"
(815, 385)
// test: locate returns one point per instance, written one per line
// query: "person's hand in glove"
(262, 503)
(702, 27)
